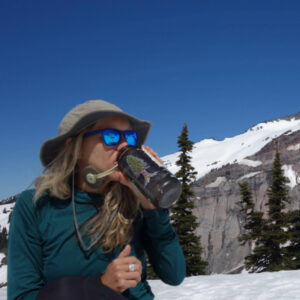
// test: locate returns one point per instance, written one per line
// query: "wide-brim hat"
(84, 115)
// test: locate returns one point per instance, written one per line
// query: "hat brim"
(51, 147)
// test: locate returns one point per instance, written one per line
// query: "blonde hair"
(56, 181)
(120, 199)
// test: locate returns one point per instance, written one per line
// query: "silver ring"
(131, 267)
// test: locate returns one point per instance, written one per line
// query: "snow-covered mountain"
(210, 154)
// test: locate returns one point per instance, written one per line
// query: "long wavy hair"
(56, 181)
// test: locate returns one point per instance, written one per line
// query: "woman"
(70, 239)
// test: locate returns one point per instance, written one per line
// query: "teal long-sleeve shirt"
(42, 246)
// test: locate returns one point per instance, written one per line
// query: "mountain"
(220, 166)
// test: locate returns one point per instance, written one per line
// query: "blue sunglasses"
(112, 137)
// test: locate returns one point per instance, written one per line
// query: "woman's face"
(95, 153)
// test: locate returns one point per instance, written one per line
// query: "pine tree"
(246, 208)
(253, 226)
(253, 219)
(292, 250)
(275, 233)
(3, 239)
(183, 221)
(268, 255)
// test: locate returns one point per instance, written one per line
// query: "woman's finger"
(125, 262)
(153, 153)
(132, 276)
(129, 284)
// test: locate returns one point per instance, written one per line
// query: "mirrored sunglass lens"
(131, 138)
(111, 137)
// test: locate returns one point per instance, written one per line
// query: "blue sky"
(220, 66)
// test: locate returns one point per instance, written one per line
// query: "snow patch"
(249, 175)
(291, 175)
(216, 183)
(250, 163)
(294, 147)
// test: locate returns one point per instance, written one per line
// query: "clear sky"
(220, 66)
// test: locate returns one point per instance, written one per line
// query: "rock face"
(217, 193)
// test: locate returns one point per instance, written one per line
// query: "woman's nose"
(123, 143)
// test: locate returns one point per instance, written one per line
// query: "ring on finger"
(131, 267)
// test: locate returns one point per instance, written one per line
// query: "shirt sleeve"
(24, 274)
(162, 246)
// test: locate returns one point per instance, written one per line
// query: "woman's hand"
(154, 154)
(118, 276)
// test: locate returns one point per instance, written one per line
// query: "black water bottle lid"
(171, 193)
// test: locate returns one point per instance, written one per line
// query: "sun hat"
(82, 116)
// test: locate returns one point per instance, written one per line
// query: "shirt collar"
(85, 197)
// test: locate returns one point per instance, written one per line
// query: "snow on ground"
(3, 277)
(263, 286)
(3, 294)
(3, 271)
(284, 285)
(209, 153)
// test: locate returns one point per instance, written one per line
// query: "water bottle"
(153, 180)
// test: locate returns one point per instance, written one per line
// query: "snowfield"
(283, 285)
(262, 286)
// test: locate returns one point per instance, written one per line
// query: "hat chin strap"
(94, 177)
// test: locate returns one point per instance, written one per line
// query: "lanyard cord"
(81, 242)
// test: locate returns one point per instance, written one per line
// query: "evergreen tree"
(253, 226)
(183, 221)
(268, 255)
(3, 240)
(275, 235)
(253, 219)
(292, 250)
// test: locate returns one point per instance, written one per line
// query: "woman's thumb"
(125, 252)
